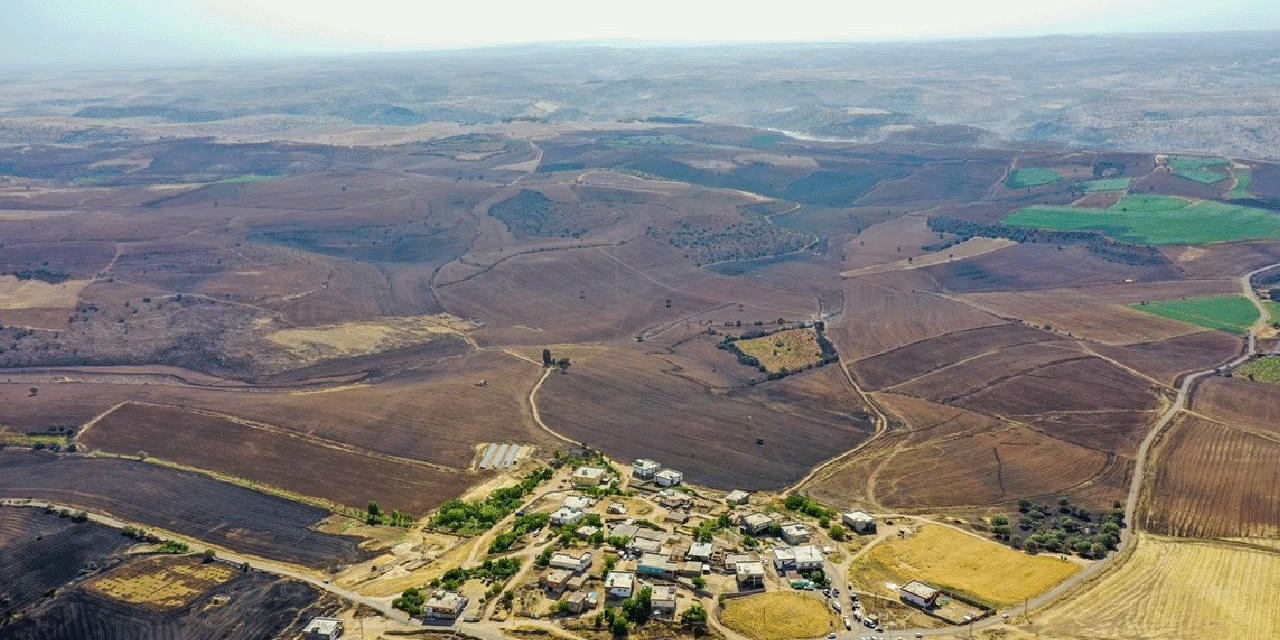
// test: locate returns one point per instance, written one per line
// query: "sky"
(94, 32)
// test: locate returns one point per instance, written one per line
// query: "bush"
(410, 602)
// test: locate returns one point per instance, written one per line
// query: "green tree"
(1000, 520)
(694, 616)
(547, 361)
(836, 532)
(374, 514)
(618, 627)
(699, 582)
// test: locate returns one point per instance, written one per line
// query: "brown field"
(919, 358)
(1167, 359)
(967, 249)
(270, 456)
(1239, 403)
(945, 457)
(885, 242)
(1041, 266)
(185, 503)
(790, 350)
(1176, 590)
(1224, 260)
(965, 563)
(40, 552)
(37, 294)
(1101, 313)
(1215, 480)
(941, 182)
(951, 383)
(887, 311)
(161, 582)
(781, 615)
(631, 405)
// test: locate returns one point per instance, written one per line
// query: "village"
(602, 549)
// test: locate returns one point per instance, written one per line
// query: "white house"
(859, 522)
(644, 469)
(618, 584)
(668, 478)
(808, 557)
(570, 562)
(321, 628)
(795, 533)
(784, 558)
(750, 574)
(919, 594)
(737, 497)
(581, 503)
(445, 604)
(566, 515)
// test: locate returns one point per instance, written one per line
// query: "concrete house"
(566, 515)
(668, 478)
(701, 551)
(588, 477)
(796, 533)
(581, 503)
(570, 562)
(737, 497)
(755, 523)
(655, 564)
(644, 469)
(919, 594)
(321, 628)
(556, 580)
(808, 557)
(586, 531)
(750, 574)
(663, 602)
(859, 522)
(445, 605)
(619, 584)
(731, 561)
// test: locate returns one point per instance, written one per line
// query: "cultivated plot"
(1157, 220)
(1226, 313)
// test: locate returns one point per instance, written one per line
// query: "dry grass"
(779, 615)
(957, 561)
(1172, 589)
(349, 339)
(37, 294)
(163, 583)
(793, 349)
(967, 249)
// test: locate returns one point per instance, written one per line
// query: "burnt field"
(270, 456)
(40, 552)
(250, 605)
(629, 404)
(186, 503)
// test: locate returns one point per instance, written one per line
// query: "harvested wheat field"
(38, 294)
(1215, 480)
(959, 562)
(1173, 589)
(165, 582)
(780, 615)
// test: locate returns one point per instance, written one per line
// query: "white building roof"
(753, 568)
(566, 513)
(578, 502)
(322, 625)
(588, 472)
(795, 529)
(859, 516)
(701, 549)
(645, 464)
(619, 580)
(664, 593)
(808, 554)
(669, 474)
(448, 600)
(737, 495)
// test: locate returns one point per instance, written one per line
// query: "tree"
(999, 520)
(699, 582)
(836, 532)
(618, 627)
(694, 616)
(561, 606)
(209, 555)
(563, 363)
(34, 391)
(374, 514)
(546, 358)
(1031, 546)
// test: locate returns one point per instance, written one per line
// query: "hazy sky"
(100, 31)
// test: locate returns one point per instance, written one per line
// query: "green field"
(1108, 184)
(1178, 163)
(1265, 369)
(1023, 178)
(1244, 176)
(1156, 220)
(1203, 176)
(1226, 313)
